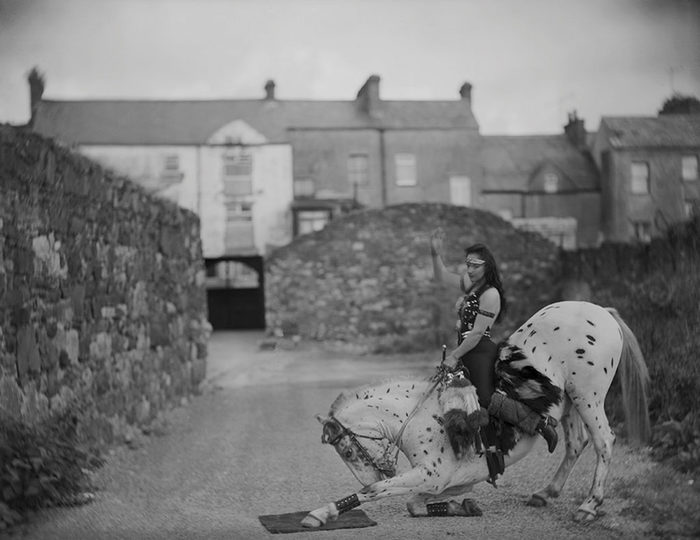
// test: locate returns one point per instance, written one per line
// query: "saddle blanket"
(290, 523)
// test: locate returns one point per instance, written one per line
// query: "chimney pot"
(465, 91)
(270, 89)
(575, 130)
(36, 90)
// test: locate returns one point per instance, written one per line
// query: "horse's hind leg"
(576, 439)
(593, 414)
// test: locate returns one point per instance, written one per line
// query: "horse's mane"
(346, 397)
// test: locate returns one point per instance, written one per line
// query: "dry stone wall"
(102, 300)
(365, 280)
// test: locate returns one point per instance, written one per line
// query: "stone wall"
(365, 280)
(102, 301)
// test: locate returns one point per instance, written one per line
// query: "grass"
(665, 498)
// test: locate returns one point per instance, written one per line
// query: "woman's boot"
(522, 416)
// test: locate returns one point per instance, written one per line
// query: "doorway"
(236, 292)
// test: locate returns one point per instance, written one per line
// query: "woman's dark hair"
(491, 276)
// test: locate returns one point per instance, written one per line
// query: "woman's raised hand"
(436, 239)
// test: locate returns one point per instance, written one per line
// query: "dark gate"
(236, 292)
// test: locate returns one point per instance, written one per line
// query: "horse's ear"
(321, 419)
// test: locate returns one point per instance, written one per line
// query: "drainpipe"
(382, 160)
(199, 182)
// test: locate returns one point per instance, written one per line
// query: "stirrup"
(495, 464)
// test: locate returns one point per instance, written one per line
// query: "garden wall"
(365, 280)
(102, 301)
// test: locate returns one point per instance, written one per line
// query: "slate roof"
(510, 161)
(671, 130)
(193, 122)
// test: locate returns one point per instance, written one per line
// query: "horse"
(577, 345)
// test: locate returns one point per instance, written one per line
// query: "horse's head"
(363, 449)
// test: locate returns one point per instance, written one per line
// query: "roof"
(661, 131)
(136, 122)
(511, 161)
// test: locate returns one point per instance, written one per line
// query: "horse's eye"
(349, 453)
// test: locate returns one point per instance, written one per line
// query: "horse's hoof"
(584, 516)
(538, 501)
(471, 508)
(412, 509)
(311, 522)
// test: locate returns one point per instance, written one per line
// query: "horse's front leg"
(417, 480)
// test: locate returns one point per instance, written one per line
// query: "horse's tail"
(634, 381)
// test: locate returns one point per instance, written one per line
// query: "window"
(551, 182)
(690, 208)
(461, 190)
(304, 187)
(642, 231)
(238, 174)
(640, 178)
(170, 174)
(238, 211)
(312, 220)
(405, 169)
(357, 169)
(232, 274)
(689, 166)
(171, 162)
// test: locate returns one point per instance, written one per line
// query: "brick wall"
(101, 291)
(366, 279)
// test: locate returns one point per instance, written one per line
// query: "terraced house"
(260, 171)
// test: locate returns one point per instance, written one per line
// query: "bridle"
(386, 464)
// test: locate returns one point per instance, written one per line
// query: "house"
(545, 183)
(374, 153)
(649, 173)
(227, 160)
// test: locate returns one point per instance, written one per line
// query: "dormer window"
(551, 182)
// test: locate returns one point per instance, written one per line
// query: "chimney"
(36, 91)
(465, 92)
(270, 89)
(575, 130)
(368, 96)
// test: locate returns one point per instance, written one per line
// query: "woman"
(483, 304)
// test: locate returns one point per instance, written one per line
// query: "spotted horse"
(579, 346)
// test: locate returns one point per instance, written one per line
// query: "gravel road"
(249, 445)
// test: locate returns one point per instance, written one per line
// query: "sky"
(530, 61)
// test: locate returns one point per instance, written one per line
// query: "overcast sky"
(529, 61)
